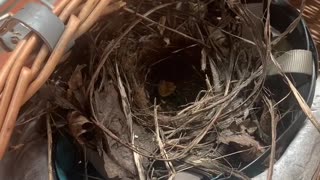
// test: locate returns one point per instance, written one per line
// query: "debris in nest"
(76, 79)
(166, 88)
(119, 161)
(79, 126)
(243, 141)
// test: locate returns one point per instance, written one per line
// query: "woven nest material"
(188, 81)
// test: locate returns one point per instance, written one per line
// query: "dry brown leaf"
(166, 88)
(242, 140)
(108, 110)
(76, 80)
(107, 106)
(75, 93)
(79, 125)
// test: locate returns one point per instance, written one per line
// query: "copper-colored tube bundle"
(19, 82)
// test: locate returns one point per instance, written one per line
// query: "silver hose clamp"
(35, 18)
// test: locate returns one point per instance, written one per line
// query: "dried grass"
(230, 74)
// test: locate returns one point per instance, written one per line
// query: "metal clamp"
(13, 32)
(36, 18)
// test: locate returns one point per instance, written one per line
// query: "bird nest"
(188, 82)
(168, 86)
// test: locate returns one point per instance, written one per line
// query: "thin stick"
(160, 143)
(12, 114)
(54, 58)
(273, 136)
(137, 160)
(127, 113)
(5, 70)
(49, 134)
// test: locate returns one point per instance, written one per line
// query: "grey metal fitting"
(35, 18)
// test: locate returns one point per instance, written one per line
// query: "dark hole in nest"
(176, 78)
